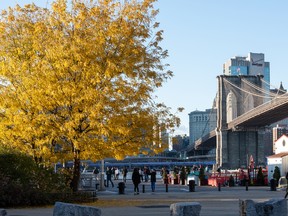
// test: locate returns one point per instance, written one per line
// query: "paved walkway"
(213, 202)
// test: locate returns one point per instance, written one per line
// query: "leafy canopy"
(79, 77)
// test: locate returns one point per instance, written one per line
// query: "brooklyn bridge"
(245, 107)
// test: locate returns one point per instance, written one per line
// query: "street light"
(102, 176)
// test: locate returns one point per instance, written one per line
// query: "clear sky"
(201, 35)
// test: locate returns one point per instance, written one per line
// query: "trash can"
(192, 186)
(121, 187)
(273, 184)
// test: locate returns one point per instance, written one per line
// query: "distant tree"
(77, 81)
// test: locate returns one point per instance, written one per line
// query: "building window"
(283, 143)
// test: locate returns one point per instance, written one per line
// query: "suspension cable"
(283, 91)
(257, 95)
(259, 89)
(241, 89)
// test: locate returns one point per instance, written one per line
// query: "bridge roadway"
(263, 115)
(213, 202)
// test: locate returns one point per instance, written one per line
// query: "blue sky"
(201, 35)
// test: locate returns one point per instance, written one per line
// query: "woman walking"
(153, 179)
(136, 180)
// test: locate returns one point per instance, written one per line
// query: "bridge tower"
(235, 97)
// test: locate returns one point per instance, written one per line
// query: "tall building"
(253, 64)
(167, 139)
(201, 123)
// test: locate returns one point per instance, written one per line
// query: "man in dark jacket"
(153, 179)
(136, 180)
(109, 173)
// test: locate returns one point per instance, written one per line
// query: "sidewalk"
(213, 202)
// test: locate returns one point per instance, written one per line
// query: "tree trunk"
(76, 171)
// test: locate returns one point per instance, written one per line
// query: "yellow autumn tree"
(78, 79)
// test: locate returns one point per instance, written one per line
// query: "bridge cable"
(259, 88)
(241, 89)
(283, 91)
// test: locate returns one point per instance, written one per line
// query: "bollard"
(121, 187)
(192, 186)
(166, 187)
(273, 184)
(246, 183)
(219, 186)
(143, 188)
(3, 212)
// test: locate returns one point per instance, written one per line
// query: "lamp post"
(102, 176)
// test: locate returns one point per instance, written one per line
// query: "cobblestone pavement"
(214, 201)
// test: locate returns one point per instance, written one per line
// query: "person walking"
(146, 174)
(141, 174)
(153, 179)
(136, 180)
(124, 173)
(109, 173)
(117, 173)
(164, 174)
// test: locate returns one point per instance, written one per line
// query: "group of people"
(137, 177)
(110, 172)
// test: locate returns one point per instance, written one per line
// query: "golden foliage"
(80, 78)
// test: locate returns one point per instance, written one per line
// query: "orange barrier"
(214, 181)
(239, 176)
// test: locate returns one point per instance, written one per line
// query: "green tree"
(78, 80)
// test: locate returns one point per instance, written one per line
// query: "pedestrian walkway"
(213, 201)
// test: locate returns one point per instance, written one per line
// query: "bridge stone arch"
(235, 97)
(231, 106)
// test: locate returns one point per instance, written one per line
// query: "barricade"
(271, 207)
(3, 212)
(67, 209)
(185, 209)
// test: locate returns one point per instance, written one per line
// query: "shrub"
(23, 182)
